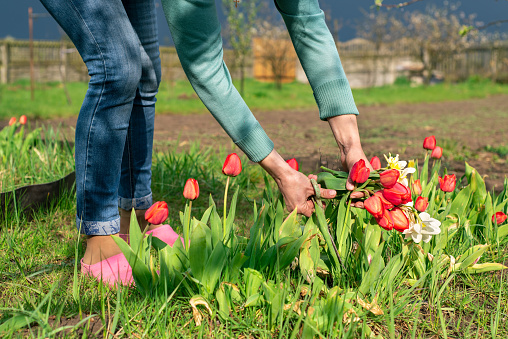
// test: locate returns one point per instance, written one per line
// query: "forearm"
(196, 33)
(318, 55)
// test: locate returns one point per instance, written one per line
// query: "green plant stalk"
(187, 226)
(225, 207)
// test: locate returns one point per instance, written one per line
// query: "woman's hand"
(345, 131)
(294, 186)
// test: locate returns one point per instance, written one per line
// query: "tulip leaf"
(140, 272)
(198, 251)
(253, 280)
(309, 258)
(486, 267)
(424, 172)
(254, 300)
(460, 202)
(476, 180)
(337, 174)
(502, 231)
(329, 181)
(471, 255)
(372, 275)
(323, 228)
(222, 300)
(214, 267)
(232, 211)
(290, 227)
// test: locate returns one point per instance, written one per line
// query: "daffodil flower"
(400, 165)
(417, 232)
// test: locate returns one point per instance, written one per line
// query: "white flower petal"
(417, 237)
(426, 238)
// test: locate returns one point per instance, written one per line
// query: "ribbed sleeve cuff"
(256, 145)
(335, 98)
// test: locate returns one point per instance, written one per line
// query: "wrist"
(276, 166)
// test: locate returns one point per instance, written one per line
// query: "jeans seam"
(130, 165)
(98, 101)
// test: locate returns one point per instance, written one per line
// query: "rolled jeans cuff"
(142, 203)
(98, 227)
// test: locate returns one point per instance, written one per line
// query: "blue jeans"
(114, 133)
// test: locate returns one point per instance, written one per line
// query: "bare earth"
(462, 128)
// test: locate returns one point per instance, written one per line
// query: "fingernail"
(333, 193)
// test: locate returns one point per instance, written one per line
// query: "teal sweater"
(196, 33)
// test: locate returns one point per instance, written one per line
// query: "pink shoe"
(166, 234)
(112, 271)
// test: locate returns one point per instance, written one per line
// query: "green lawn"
(179, 98)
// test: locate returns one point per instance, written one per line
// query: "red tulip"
(359, 173)
(156, 214)
(400, 220)
(386, 220)
(388, 205)
(389, 178)
(447, 184)
(375, 162)
(293, 164)
(232, 166)
(22, 119)
(437, 152)
(12, 121)
(191, 189)
(421, 204)
(374, 206)
(398, 194)
(499, 218)
(429, 142)
(417, 187)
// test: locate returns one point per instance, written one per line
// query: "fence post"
(4, 55)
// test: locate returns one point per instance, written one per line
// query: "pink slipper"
(166, 234)
(112, 271)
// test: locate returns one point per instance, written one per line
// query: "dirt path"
(463, 129)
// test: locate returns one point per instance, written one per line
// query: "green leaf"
(372, 275)
(477, 185)
(290, 227)
(486, 267)
(253, 280)
(140, 271)
(213, 268)
(198, 251)
(471, 255)
(328, 180)
(460, 202)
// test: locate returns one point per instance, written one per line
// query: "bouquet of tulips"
(388, 197)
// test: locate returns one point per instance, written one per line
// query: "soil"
(464, 129)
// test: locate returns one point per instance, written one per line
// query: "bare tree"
(275, 49)
(435, 35)
(379, 28)
(241, 19)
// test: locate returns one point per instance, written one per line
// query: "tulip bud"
(421, 204)
(191, 189)
(499, 218)
(398, 194)
(429, 142)
(448, 183)
(359, 173)
(374, 206)
(389, 178)
(232, 166)
(157, 213)
(22, 119)
(293, 164)
(437, 153)
(417, 187)
(375, 163)
(400, 220)
(12, 121)
(386, 221)
(387, 205)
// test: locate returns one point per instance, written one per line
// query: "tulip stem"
(225, 205)
(187, 226)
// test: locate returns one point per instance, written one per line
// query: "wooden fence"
(364, 64)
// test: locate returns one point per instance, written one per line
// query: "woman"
(114, 132)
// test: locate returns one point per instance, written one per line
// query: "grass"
(179, 97)
(38, 261)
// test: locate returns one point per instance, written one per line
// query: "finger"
(313, 176)
(359, 204)
(328, 193)
(357, 195)
(349, 184)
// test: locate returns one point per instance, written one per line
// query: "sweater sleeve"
(318, 55)
(196, 31)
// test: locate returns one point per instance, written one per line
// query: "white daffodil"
(419, 233)
(394, 163)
